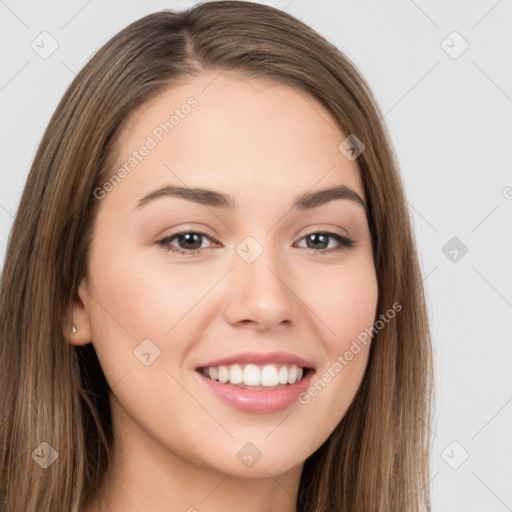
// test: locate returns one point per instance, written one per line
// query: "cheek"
(344, 298)
(141, 297)
(135, 300)
(345, 301)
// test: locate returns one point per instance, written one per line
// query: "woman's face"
(269, 277)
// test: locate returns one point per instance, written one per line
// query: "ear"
(78, 314)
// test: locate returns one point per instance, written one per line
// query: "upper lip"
(260, 358)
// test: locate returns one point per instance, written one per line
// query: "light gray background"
(451, 124)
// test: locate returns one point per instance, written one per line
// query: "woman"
(280, 361)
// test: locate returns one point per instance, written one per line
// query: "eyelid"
(317, 229)
(190, 229)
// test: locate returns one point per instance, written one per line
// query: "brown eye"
(319, 241)
(188, 242)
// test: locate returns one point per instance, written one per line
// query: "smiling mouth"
(253, 376)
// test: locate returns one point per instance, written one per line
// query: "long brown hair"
(377, 458)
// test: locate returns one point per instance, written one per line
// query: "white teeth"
(252, 375)
(236, 375)
(214, 373)
(269, 375)
(223, 374)
(292, 375)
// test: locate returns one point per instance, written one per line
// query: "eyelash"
(345, 242)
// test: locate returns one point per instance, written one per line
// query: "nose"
(260, 294)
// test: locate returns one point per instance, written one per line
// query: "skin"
(263, 144)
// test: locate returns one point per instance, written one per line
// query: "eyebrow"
(207, 197)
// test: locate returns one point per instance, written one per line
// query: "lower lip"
(258, 401)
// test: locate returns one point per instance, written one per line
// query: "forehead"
(248, 137)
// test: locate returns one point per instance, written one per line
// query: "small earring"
(74, 329)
